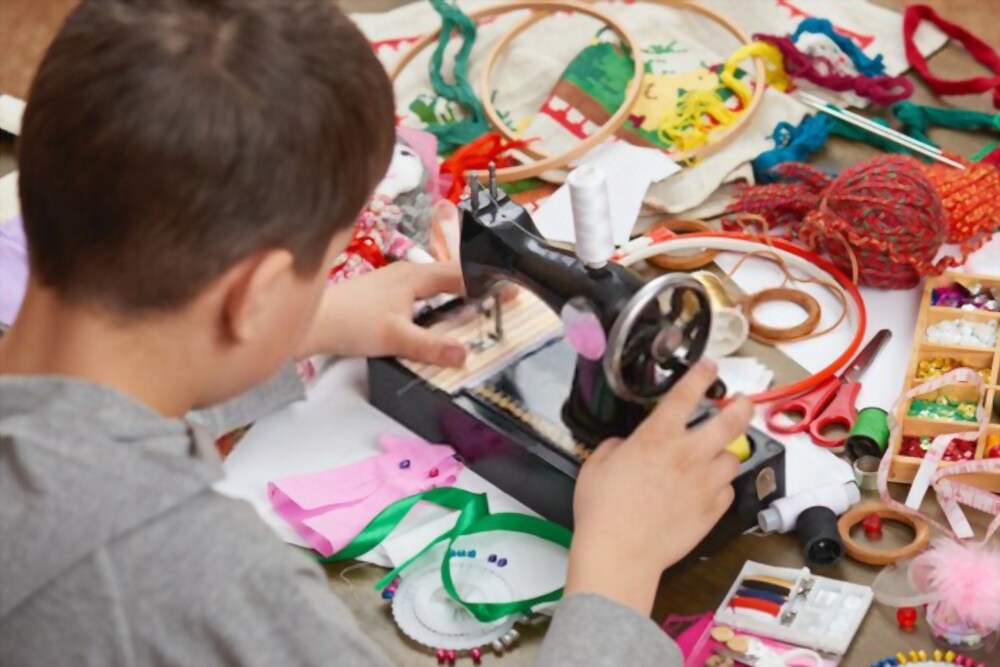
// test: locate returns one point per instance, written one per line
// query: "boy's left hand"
(372, 315)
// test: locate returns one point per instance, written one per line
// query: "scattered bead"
(963, 332)
(497, 646)
(404, 464)
(929, 369)
(461, 553)
(938, 655)
(913, 656)
(472, 553)
(476, 655)
(906, 618)
(872, 526)
(434, 472)
(502, 562)
(992, 450)
(949, 656)
(452, 656)
(922, 655)
(492, 558)
(957, 450)
(441, 656)
(901, 657)
(942, 408)
(388, 595)
(972, 297)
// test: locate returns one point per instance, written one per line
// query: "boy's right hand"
(643, 503)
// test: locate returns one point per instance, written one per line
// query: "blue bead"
(502, 562)
(451, 553)
(472, 553)
(387, 595)
(404, 464)
(492, 558)
(461, 553)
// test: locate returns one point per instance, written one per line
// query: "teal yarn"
(917, 118)
(792, 144)
(866, 66)
(453, 135)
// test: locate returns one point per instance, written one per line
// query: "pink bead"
(451, 657)
(441, 656)
(477, 656)
(434, 472)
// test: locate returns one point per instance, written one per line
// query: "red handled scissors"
(831, 403)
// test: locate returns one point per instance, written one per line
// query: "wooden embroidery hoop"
(722, 137)
(857, 514)
(544, 8)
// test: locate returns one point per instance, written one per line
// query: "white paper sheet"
(629, 170)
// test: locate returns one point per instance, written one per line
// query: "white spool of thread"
(591, 205)
(783, 513)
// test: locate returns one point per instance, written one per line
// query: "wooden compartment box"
(904, 468)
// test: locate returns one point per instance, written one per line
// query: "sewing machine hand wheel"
(653, 342)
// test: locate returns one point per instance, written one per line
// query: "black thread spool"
(817, 529)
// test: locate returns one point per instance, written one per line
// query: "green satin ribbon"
(474, 517)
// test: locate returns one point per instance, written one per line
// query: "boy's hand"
(372, 315)
(641, 504)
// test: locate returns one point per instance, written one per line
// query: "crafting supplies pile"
(739, 102)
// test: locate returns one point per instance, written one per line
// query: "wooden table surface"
(26, 27)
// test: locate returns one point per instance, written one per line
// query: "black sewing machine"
(529, 427)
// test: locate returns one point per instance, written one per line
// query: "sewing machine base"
(536, 462)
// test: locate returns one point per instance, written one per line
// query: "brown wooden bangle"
(546, 7)
(857, 514)
(723, 137)
(682, 262)
(765, 333)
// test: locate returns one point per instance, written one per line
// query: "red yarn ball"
(886, 210)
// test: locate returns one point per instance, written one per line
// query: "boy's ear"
(259, 284)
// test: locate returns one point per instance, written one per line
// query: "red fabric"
(885, 209)
(491, 147)
(977, 48)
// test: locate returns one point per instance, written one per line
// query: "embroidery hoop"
(724, 136)
(533, 168)
(805, 260)
(855, 515)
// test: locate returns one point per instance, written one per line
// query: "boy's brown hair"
(166, 140)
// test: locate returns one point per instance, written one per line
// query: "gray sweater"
(114, 550)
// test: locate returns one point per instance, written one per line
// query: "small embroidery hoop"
(536, 167)
(855, 515)
(723, 137)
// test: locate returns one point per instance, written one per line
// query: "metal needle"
(474, 194)
(493, 179)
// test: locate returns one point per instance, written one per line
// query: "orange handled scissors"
(831, 403)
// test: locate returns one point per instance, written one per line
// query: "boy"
(188, 169)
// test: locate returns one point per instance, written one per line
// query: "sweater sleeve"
(281, 389)
(595, 631)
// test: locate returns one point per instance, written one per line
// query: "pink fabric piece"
(329, 509)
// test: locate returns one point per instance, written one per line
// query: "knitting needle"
(884, 132)
(815, 100)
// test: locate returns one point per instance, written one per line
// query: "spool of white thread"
(591, 205)
(783, 513)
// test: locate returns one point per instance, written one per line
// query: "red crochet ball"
(885, 209)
